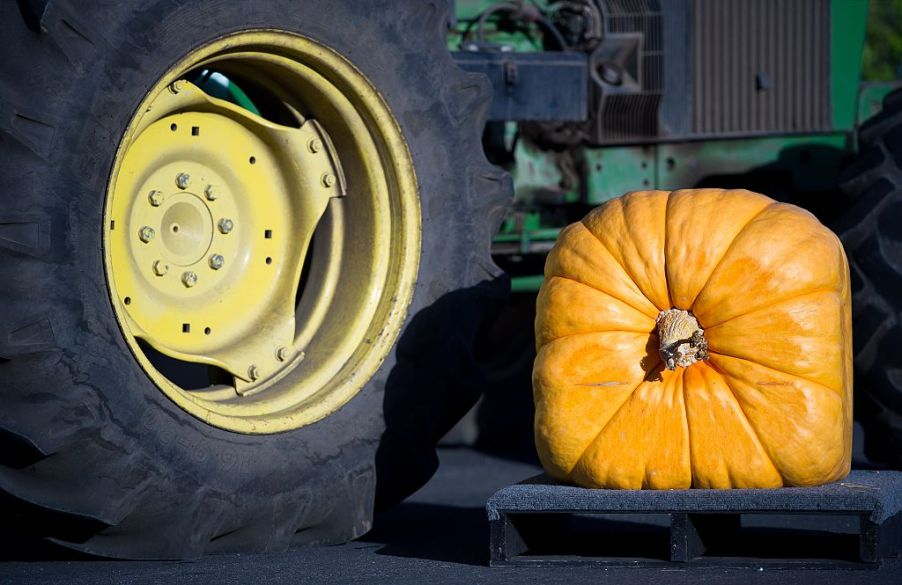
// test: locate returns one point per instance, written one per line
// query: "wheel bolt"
(156, 198)
(282, 354)
(210, 193)
(160, 268)
(216, 261)
(147, 234)
(315, 145)
(189, 278)
(253, 373)
(226, 225)
(183, 180)
(328, 179)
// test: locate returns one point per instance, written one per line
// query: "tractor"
(253, 253)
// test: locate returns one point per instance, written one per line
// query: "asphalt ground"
(439, 535)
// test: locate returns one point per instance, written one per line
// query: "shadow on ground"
(432, 531)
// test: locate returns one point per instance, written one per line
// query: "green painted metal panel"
(848, 25)
(618, 170)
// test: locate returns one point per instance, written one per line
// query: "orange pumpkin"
(694, 338)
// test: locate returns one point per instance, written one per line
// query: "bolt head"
(253, 373)
(146, 234)
(226, 225)
(210, 192)
(315, 145)
(160, 268)
(282, 354)
(328, 179)
(155, 197)
(183, 180)
(189, 278)
(216, 261)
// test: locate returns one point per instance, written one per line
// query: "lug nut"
(210, 193)
(282, 354)
(160, 268)
(315, 145)
(147, 234)
(189, 278)
(253, 373)
(226, 225)
(328, 179)
(155, 197)
(183, 180)
(216, 261)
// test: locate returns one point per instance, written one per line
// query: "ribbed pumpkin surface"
(770, 405)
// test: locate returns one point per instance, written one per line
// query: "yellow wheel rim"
(275, 251)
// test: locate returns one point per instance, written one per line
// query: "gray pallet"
(530, 521)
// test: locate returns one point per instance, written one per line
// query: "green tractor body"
(683, 93)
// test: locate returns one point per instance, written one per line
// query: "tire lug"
(182, 180)
(282, 354)
(210, 192)
(226, 225)
(328, 179)
(146, 234)
(315, 145)
(253, 373)
(216, 261)
(160, 268)
(189, 278)
(155, 197)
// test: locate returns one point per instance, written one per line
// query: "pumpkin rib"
(792, 297)
(785, 373)
(550, 272)
(613, 416)
(755, 432)
(649, 330)
(756, 436)
(682, 381)
(578, 281)
(673, 198)
(620, 264)
(726, 251)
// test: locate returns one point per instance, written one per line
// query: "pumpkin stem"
(682, 340)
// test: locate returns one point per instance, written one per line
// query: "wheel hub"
(217, 223)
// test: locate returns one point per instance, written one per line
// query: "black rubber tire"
(91, 452)
(871, 231)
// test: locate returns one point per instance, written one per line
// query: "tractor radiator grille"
(760, 66)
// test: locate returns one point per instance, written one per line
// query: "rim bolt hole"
(127, 300)
(207, 331)
(195, 131)
(186, 327)
(268, 260)
(252, 160)
(173, 127)
(267, 234)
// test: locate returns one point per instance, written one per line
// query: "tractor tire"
(93, 456)
(871, 231)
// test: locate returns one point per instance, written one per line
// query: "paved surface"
(440, 535)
